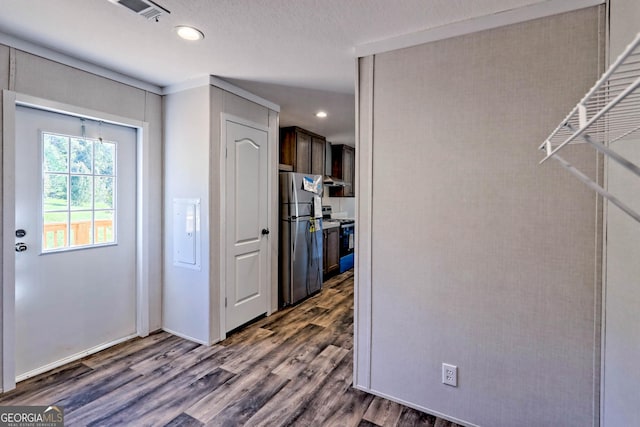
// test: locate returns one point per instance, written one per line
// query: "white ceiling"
(296, 53)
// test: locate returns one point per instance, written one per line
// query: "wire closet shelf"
(609, 112)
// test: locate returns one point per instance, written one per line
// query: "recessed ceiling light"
(189, 33)
(321, 114)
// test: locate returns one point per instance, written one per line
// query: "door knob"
(21, 247)
(265, 231)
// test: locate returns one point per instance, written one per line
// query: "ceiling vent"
(146, 8)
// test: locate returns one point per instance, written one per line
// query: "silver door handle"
(21, 247)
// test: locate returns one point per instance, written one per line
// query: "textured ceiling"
(297, 53)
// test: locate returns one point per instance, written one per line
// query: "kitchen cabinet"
(330, 251)
(343, 167)
(302, 150)
(318, 145)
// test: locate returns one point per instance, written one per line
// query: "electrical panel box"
(186, 233)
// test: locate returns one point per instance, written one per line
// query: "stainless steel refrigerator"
(300, 236)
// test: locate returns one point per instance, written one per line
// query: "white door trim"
(224, 118)
(10, 101)
(363, 315)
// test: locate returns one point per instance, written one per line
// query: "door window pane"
(79, 192)
(55, 192)
(105, 153)
(81, 228)
(104, 192)
(56, 153)
(55, 230)
(105, 232)
(81, 155)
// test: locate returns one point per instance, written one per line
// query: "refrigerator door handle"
(293, 241)
(295, 203)
(295, 194)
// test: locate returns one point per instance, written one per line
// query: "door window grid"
(79, 192)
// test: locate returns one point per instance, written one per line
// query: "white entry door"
(247, 184)
(75, 189)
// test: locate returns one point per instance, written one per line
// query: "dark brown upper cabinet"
(343, 166)
(301, 150)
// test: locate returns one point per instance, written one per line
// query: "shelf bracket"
(609, 112)
(608, 152)
(594, 186)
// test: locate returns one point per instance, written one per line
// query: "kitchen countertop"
(327, 223)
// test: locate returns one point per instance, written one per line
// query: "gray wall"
(53, 81)
(624, 26)
(495, 259)
(185, 306)
(621, 372)
(191, 307)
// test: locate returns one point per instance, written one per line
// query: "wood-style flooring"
(293, 368)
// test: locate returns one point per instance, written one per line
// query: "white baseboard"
(186, 337)
(416, 407)
(72, 358)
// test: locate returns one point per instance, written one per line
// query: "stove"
(347, 238)
(327, 212)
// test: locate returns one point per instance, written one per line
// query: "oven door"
(347, 239)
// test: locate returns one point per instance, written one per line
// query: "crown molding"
(80, 64)
(222, 84)
(473, 25)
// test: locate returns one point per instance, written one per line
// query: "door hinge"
(225, 302)
(226, 152)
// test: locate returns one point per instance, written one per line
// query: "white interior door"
(247, 180)
(76, 203)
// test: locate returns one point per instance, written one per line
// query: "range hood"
(332, 181)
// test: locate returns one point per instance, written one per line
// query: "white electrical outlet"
(450, 375)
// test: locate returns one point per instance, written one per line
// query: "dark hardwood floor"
(293, 368)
